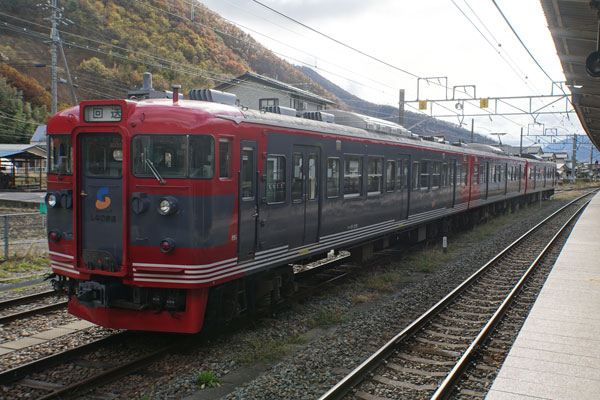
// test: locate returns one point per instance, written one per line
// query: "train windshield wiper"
(155, 172)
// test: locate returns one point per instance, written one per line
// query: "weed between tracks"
(260, 349)
(23, 267)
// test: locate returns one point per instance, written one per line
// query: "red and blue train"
(166, 213)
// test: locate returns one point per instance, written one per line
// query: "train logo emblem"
(103, 199)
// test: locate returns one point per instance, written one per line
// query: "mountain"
(582, 153)
(417, 123)
(110, 44)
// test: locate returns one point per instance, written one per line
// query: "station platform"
(22, 199)
(557, 352)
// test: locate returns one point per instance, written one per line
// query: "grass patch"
(365, 297)
(325, 317)
(261, 349)
(28, 265)
(207, 379)
(429, 260)
(385, 281)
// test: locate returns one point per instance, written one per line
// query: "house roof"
(23, 150)
(39, 136)
(273, 83)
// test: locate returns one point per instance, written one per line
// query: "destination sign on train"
(102, 113)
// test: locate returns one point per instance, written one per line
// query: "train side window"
(415, 175)
(402, 174)
(482, 175)
(476, 174)
(275, 179)
(375, 175)
(452, 173)
(463, 174)
(313, 183)
(247, 173)
(202, 156)
(436, 175)
(333, 177)
(60, 154)
(297, 176)
(352, 176)
(224, 158)
(390, 175)
(444, 175)
(424, 175)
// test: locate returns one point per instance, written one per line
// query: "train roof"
(344, 123)
(347, 126)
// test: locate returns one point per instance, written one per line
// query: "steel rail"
(447, 385)
(27, 313)
(357, 375)
(124, 369)
(14, 374)
(25, 299)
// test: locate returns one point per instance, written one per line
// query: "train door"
(506, 177)
(101, 176)
(452, 170)
(486, 176)
(248, 203)
(403, 174)
(304, 217)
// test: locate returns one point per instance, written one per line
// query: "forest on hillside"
(110, 44)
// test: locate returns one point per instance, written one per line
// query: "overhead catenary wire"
(223, 77)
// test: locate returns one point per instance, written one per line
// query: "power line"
(525, 47)
(336, 41)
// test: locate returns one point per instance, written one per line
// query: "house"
(533, 150)
(21, 166)
(548, 156)
(258, 92)
(562, 156)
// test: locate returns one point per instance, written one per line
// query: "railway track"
(76, 371)
(52, 377)
(27, 306)
(429, 357)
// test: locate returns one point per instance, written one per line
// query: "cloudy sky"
(395, 42)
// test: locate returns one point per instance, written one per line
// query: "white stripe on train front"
(54, 253)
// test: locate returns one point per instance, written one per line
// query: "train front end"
(117, 239)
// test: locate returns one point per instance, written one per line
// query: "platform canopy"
(574, 28)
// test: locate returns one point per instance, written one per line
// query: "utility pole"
(401, 108)
(53, 44)
(472, 129)
(573, 160)
(521, 143)
(55, 18)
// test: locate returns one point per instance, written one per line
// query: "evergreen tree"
(17, 123)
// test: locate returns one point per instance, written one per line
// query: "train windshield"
(173, 156)
(60, 155)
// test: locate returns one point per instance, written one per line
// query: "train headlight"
(52, 200)
(54, 236)
(167, 245)
(167, 205)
